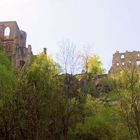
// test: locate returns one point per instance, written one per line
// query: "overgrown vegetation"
(39, 103)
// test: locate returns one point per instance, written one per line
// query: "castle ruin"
(13, 43)
(124, 60)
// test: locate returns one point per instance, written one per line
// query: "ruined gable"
(13, 42)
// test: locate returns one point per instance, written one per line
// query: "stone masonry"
(124, 60)
(13, 42)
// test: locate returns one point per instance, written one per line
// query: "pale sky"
(107, 25)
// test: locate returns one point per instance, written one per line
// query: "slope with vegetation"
(35, 103)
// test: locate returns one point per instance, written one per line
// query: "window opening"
(7, 32)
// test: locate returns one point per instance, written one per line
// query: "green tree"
(8, 82)
(103, 122)
(7, 78)
(40, 108)
(94, 65)
(129, 94)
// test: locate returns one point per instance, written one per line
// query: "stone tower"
(13, 42)
(124, 60)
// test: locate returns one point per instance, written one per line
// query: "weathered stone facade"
(13, 42)
(124, 60)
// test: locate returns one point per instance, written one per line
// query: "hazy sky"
(107, 25)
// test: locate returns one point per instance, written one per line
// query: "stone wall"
(13, 42)
(124, 60)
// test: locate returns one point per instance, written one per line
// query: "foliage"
(129, 94)
(102, 123)
(94, 65)
(34, 105)
(8, 82)
(39, 108)
(88, 85)
(7, 78)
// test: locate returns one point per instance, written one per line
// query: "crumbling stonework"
(13, 42)
(125, 60)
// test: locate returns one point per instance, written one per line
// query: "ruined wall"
(13, 42)
(124, 60)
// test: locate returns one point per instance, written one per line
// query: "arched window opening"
(7, 32)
